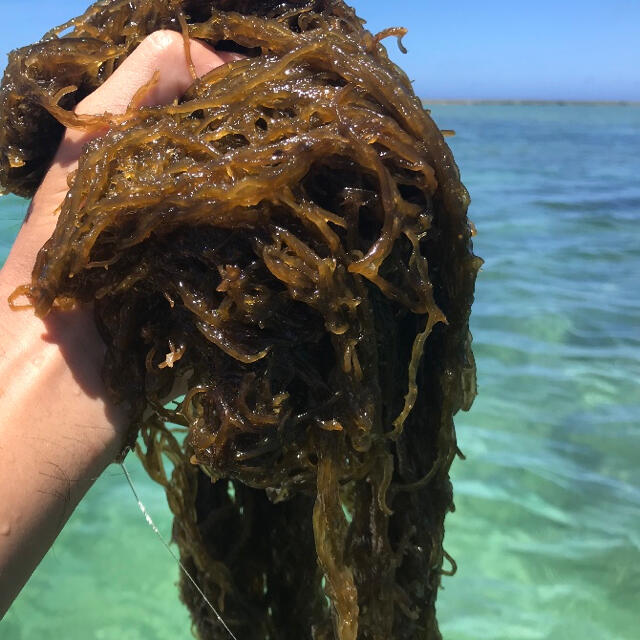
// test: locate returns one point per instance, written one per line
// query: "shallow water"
(547, 529)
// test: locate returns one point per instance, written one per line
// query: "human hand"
(58, 428)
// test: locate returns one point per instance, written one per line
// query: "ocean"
(546, 533)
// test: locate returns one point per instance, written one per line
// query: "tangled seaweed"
(290, 244)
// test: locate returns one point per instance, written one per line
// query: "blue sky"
(459, 49)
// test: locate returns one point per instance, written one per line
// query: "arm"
(58, 430)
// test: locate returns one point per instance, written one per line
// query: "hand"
(58, 429)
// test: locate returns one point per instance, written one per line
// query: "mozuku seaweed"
(285, 252)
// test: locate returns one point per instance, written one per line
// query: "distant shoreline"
(535, 103)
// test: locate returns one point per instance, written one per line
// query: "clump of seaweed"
(290, 244)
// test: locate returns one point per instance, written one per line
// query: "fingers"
(161, 52)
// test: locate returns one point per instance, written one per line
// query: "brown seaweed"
(290, 243)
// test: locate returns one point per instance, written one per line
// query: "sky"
(464, 49)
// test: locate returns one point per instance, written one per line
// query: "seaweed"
(289, 246)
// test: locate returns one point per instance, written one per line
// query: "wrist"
(56, 440)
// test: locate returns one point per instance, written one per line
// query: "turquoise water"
(547, 528)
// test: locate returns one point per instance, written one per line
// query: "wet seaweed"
(289, 244)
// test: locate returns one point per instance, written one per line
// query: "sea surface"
(546, 532)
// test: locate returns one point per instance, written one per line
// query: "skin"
(58, 429)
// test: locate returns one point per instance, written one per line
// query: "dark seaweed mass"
(291, 242)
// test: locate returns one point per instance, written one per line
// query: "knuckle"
(162, 40)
